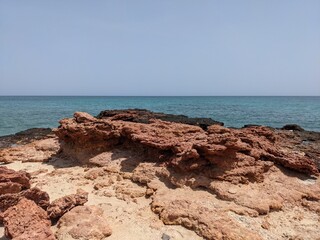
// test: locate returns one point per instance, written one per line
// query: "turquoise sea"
(20, 113)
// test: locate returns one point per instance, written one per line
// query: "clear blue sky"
(167, 47)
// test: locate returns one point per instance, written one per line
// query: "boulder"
(27, 221)
(13, 181)
(294, 127)
(62, 205)
(83, 222)
(40, 197)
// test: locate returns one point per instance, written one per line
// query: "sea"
(18, 113)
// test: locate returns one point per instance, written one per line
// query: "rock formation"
(233, 165)
(145, 116)
(238, 155)
(83, 222)
(27, 221)
(25, 212)
(12, 181)
(62, 205)
(33, 145)
(144, 171)
(41, 198)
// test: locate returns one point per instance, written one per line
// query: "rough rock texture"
(13, 181)
(201, 214)
(157, 179)
(145, 116)
(62, 205)
(37, 151)
(33, 145)
(25, 137)
(293, 127)
(41, 198)
(238, 155)
(26, 221)
(83, 222)
(14, 186)
(248, 172)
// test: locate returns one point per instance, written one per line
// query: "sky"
(161, 48)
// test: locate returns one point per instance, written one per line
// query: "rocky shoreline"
(148, 175)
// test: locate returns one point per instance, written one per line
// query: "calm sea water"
(20, 113)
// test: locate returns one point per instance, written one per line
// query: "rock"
(165, 237)
(294, 127)
(25, 137)
(145, 116)
(35, 151)
(41, 198)
(129, 190)
(14, 185)
(13, 181)
(62, 205)
(83, 222)
(199, 212)
(237, 155)
(94, 173)
(27, 221)
(9, 187)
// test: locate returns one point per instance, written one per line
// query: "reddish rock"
(41, 198)
(62, 205)
(9, 187)
(13, 181)
(236, 155)
(27, 221)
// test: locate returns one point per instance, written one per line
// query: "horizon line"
(159, 95)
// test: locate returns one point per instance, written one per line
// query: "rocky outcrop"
(293, 127)
(26, 220)
(62, 205)
(146, 116)
(200, 214)
(83, 222)
(225, 168)
(25, 212)
(36, 151)
(221, 183)
(41, 198)
(237, 155)
(25, 137)
(14, 186)
(32, 145)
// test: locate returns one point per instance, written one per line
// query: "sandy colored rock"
(27, 221)
(35, 151)
(94, 173)
(200, 213)
(83, 222)
(62, 205)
